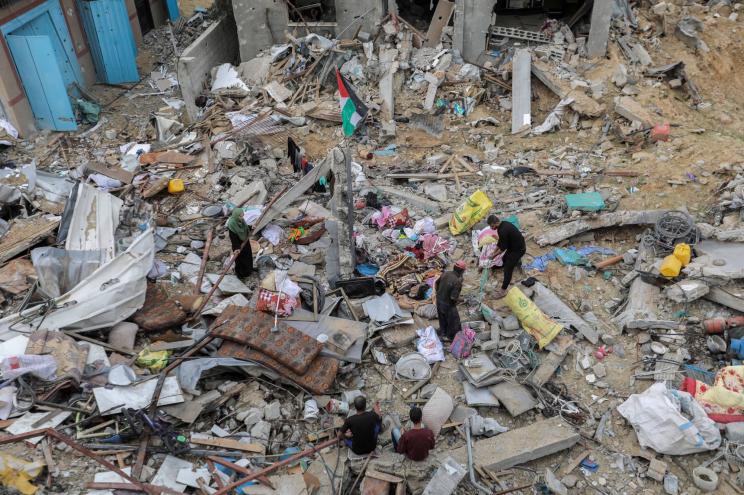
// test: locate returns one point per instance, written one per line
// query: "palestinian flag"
(353, 110)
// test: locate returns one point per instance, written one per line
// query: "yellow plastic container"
(683, 253)
(176, 186)
(671, 266)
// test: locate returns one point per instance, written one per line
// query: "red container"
(661, 132)
(715, 325)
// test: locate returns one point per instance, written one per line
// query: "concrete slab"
(515, 397)
(599, 31)
(521, 91)
(521, 445)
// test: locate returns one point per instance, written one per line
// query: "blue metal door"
(111, 40)
(42, 79)
(173, 12)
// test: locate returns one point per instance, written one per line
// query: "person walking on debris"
(511, 243)
(238, 230)
(415, 443)
(360, 430)
(448, 288)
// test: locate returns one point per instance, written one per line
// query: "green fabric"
(237, 225)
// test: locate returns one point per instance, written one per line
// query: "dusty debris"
(365, 166)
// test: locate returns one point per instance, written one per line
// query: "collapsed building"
(199, 283)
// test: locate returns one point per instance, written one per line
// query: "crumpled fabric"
(724, 400)
(540, 263)
(434, 245)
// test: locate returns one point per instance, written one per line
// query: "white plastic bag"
(429, 344)
(425, 226)
(44, 367)
(656, 416)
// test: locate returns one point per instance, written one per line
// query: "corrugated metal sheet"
(94, 221)
(111, 40)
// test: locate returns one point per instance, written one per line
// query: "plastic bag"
(17, 473)
(656, 416)
(425, 226)
(532, 319)
(470, 212)
(41, 366)
(153, 360)
(462, 343)
(429, 344)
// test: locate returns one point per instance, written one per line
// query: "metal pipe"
(277, 465)
(471, 471)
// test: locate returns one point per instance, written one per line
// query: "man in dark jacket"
(448, 288)
(511, 243)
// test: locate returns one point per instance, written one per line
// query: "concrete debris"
(221, 270)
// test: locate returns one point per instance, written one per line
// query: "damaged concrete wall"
(215, 46)
(260, 23)
(472, 19)
(347, 13)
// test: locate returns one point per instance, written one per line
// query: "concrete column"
(471, 22)
(521, 90)
(599, 31)
(251, 18)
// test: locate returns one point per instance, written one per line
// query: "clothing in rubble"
(238, 231)
(448, 288)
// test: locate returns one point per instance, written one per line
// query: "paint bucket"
(714, 325)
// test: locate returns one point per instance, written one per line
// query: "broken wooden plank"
(439, 21)
(112, 171)
(227, 443)
(521, 445)
(573, 463)
(25, 233)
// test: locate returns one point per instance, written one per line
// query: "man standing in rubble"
(448, 288)
(360, 430)
(511, 243)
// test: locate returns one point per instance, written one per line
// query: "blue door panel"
(43, 26)
(172, 7)
(111, 40)
(42, 80)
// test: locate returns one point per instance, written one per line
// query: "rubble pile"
(197, 305)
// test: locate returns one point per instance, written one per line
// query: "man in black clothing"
(448, 288)
(511, 243)
(362, 428)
